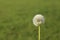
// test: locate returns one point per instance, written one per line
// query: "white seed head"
(38, 19)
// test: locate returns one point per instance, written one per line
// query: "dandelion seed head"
(38, 19)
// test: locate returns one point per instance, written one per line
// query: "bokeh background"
(16, 19)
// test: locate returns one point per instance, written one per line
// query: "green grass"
(16, 19)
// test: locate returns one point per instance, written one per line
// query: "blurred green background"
(16, 19)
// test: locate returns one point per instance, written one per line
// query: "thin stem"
(39, 33)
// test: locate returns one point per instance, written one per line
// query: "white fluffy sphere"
(38, 19)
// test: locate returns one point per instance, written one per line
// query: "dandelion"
(37, 20)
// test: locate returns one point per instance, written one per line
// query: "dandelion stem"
(39, 33)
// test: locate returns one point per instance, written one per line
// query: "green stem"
(39, 33)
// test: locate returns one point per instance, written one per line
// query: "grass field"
(16, 19)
